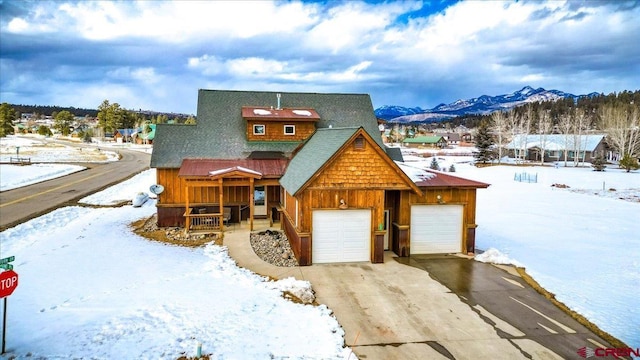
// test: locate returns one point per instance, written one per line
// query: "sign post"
(8, 283)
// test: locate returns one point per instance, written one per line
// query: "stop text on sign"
(8, 283)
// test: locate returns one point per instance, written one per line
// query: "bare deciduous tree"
(566, 126)
(581, 123)
(501, 130)
(622, 126)
(544, 127)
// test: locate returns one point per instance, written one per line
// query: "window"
(258, 129)
(358, 143)
(289, 129)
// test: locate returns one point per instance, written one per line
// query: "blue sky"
(155, 55)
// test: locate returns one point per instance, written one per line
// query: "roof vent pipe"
(278, 96)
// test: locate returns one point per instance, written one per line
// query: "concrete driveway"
(396, 310)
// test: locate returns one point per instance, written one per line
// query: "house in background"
(144, 134)
(124, 135)
(583, 148)
(453, 139)
(434, 141)
(316, 164)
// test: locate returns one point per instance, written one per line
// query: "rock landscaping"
(173, 235)
(273, 247)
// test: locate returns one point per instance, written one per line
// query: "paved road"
(517, 310)
(22, 204)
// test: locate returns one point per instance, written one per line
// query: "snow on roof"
(414, 173)
(262, 112)
(302, 112)
(555, 141)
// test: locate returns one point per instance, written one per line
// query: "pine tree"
(629, 163)
(484, 144)
(598, 163)
(7, 117)
(434, 164)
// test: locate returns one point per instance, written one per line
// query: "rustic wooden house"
(315, 163)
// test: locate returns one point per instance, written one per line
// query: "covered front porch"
(230, 196)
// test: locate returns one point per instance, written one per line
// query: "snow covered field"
(42, 149)
(107, 289)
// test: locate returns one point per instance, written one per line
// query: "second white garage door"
(341, 236)
(436, 229)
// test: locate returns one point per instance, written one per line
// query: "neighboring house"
(141, 136)
(425, 141)
(452, 138)
(316, 163)
(583, 148)
(124, 135)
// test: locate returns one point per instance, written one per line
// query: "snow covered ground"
(90, 288)
(581, 243)
(42, 149)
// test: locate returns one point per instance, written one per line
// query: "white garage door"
(436, 229)
(341, 236)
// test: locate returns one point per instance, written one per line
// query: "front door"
(259, 201)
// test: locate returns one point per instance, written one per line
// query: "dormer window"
(258, 129)
(285, 124)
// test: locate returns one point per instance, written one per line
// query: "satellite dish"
(156, 189)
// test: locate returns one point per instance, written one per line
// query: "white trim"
(293, 127)
(240, 168)
(264, 129)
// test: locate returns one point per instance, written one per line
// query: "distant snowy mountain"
(484, 104)
(389, 111)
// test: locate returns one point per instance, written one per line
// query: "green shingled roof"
(318, 149)
(220, 132)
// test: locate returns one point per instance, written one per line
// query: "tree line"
(110, 116)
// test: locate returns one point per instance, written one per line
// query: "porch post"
(266, 203)
(186, 208)
(251, 190)
(221, 207)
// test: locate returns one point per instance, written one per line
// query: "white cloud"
(390, 50)
(254, 66)
(171, 21)
(18, 25)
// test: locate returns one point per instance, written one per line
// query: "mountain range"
(482, 105)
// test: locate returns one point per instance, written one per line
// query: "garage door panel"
(436, 229)
(341, 235)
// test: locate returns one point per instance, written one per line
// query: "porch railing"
(202, 222)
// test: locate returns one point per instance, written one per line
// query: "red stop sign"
(8, 283)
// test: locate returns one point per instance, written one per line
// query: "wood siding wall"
(359, 169)
(274, 130)
(234, 191)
